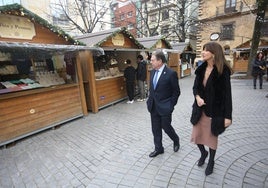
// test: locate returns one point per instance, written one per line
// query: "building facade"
(174, 19)
(123, 14)
(229, 22)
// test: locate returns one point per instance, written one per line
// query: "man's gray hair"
(159, 54)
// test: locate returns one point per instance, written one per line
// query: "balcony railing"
(239, 6)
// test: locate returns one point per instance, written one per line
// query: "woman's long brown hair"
(219, 58)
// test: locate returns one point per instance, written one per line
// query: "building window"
(227, 32)
(129, 14)
(154, 32)
(130, 26)
(122, 16)
(165, 14)
(164, 30)
(60, 20)
(230, 5)
(154, 4)
(153, 17)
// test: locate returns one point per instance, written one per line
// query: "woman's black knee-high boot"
(204, 154)
(210, 166)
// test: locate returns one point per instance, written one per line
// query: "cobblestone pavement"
(111, 148)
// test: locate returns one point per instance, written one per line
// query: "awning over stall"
(155, 42)
(112, 39)
(44, 50)
(246, 45)
(184, 47)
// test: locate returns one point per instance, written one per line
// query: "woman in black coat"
(212, 108)
(258, 68)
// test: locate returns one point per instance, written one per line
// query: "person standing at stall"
(141, 77)
(129, 74)
(258, 69)
(212, 108)
(164, 92)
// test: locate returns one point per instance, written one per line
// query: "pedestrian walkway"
(110, 149)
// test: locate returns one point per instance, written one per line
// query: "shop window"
(23, 73)
(107, 66)
(227, 32)
(242, 55)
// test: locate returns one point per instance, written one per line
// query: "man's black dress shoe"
(176, 147)
(155, 153)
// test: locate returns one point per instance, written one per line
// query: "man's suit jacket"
(165, 96)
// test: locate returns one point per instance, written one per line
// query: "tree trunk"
(256, 33)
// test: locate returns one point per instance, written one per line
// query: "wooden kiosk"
(104, 80)
(241, 55)
(187, 57)
(41, 82)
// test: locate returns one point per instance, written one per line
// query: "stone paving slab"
(111, 148)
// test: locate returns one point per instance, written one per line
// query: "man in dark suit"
(164, 92)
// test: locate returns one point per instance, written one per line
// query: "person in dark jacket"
(164, 92)
(129, 74)
(258, 69)
(141, 77)
(212, 93)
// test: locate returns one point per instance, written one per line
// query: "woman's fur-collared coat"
(216, 94)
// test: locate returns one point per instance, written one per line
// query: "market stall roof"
(17, 9)
(98, 38)
(184, 47)
(151, 42)
(43, 50)
(246, 45)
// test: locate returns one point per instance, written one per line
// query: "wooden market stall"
(187, 56)
(159, 42)
(41, 82)
(241, 55)
(104, 81)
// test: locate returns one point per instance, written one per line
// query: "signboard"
(16, 27)
(118, 39)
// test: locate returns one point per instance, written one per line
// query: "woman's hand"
(200, 101)
(227, 122)
(262, 67)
